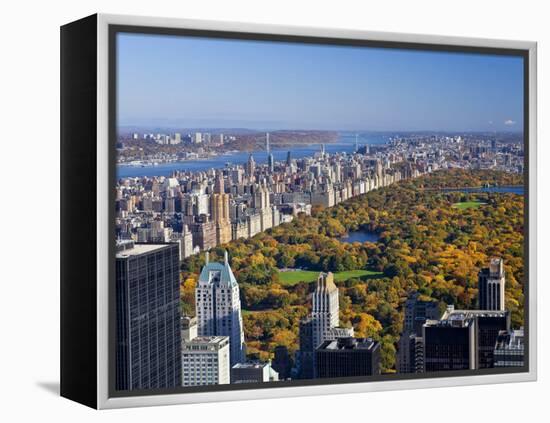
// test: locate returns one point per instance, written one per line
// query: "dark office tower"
(288, 159)
(410, 357)
(489, 324)
(305, 364)
(417, 312)
(347, 357)
(148, 335)
(416, 351)
(282, 362)
(449, 345)
(462, 339)
(491, 284)
(509, 349)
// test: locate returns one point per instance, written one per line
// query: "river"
(345, 143)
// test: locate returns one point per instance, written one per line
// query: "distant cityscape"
(162, 220)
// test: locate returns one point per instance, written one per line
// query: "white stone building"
(205, 361)
(218, 307)
(325, 308)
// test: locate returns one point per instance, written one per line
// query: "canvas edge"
(103, 400)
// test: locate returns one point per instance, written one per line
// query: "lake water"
(345, 144)
(359, 236)
(516, 189)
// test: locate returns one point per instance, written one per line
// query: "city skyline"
(282, 255)
(175, 81)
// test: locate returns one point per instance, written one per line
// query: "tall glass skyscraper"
(148, 335)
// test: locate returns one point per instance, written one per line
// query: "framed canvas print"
(253, 211)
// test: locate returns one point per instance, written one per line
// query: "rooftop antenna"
(267, 141)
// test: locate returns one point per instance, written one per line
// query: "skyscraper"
(270, 160)
(325, 308)
(307, 350)
(509, 349)
(348, 357)
(417, 312)
(148, 334)
(250, 166)
(491, 284)
(282, 362)
(219, 211)
(219, 184)
(462, 339)
(218, 307)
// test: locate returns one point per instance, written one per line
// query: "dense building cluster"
(201, 210)
(461, 339)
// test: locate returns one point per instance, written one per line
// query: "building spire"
(225, 258)
(207, 259)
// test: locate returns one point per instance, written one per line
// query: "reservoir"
(514, 189)
(359, 236)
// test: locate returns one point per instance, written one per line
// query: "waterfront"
(345, 144)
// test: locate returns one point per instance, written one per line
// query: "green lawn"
(468, 205)
(293, 277)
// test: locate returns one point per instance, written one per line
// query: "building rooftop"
(325, 281)
(187, 321)
(137, 249)
(349, 343)
(250, 365)
(452, 314)
(217, 272)
(206, 341)
(510, 340)
(463, 318)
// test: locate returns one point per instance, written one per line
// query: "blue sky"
(197, 82)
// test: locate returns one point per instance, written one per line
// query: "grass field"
(468, 205)
(293, 277)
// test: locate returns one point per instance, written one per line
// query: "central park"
(431, 240)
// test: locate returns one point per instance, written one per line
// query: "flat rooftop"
(348, 344)
(140, 249)
(207, 340)
(250, 365)
(465, 314)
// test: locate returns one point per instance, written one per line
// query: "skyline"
(176, 81)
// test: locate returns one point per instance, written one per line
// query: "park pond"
(359, 236)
